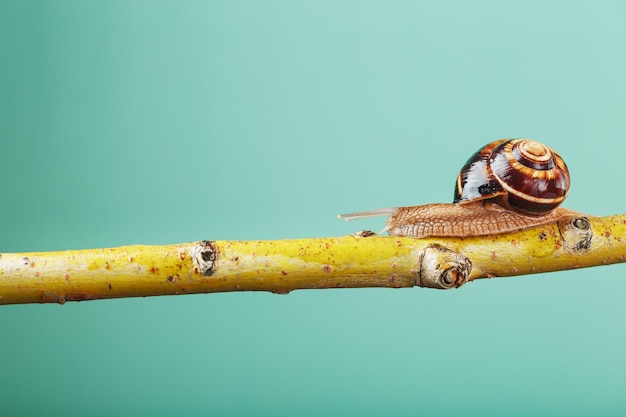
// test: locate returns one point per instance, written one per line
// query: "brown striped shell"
(522, 174)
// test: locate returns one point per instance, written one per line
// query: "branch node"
(204, 256)
(443, 268)
(576, 233)
(363, 233)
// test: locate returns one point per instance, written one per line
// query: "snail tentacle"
(388, 211)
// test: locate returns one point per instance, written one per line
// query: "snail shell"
(524, 175)
(508, 185)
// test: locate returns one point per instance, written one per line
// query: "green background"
(170, 121)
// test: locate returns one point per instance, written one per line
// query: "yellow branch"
(280, 266)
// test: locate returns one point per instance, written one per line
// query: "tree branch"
(280, 266)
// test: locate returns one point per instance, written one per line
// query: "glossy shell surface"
(523, 174)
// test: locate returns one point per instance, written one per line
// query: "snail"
(506, 186)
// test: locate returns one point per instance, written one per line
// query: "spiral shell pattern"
(527, 176)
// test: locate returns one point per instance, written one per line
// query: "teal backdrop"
(156, 122)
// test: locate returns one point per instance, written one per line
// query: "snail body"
(507, 185)
(472, 219)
